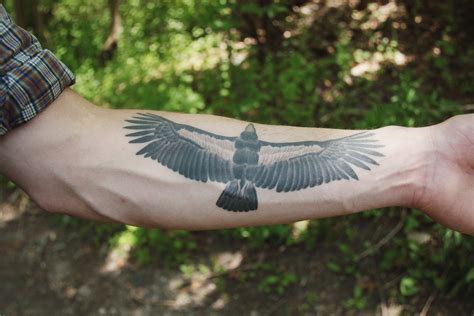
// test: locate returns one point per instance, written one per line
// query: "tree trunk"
(110, 45)
(28, 17)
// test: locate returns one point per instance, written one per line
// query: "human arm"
(75, 159)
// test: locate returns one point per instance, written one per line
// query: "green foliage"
(276, 283)
(90, 231)
(260, 236)
(358, 299)
(311, 298)
(408, 286)
(431, 254)
(270, 279)
(6, 183)
(151, 245)
(409, 105)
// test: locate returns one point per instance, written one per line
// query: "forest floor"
(46, 269)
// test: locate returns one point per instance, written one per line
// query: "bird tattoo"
(245, 163)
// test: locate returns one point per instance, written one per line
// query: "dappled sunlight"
(13, 207)
(198, 281)
(119, 253)
(8, 213)
(376, 14)
(368, 63)
(195, 283)
(391, 310)
(226, 261)
(299, 228)
(194, 294)
(116, 259)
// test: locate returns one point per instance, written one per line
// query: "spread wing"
(194, 153)
(295, 166)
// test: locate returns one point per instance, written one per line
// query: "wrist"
(411, 156)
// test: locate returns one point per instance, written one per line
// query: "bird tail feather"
(238, 197)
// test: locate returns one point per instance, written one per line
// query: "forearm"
(75, 159)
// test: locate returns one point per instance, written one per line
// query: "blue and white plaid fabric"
(31, 77)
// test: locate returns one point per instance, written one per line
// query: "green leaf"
(470, 276)
(408, 286)
(334, 267)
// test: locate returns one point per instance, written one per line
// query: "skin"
(74, 158)
(245, 163)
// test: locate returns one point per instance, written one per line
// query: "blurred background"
(320, 63)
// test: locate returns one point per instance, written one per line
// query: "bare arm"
(205, 172)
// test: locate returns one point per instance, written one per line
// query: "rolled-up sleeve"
(31, 77)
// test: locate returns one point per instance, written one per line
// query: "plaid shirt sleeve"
(31, 78)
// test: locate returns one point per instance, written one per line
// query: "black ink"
(245, 162)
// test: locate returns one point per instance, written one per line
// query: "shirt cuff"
(31, 77)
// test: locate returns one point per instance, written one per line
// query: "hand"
(448, 190)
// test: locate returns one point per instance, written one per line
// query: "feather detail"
(311, 163)
(183, 148)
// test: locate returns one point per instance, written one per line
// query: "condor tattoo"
(245, 163)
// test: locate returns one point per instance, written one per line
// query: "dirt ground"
(46, 269)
